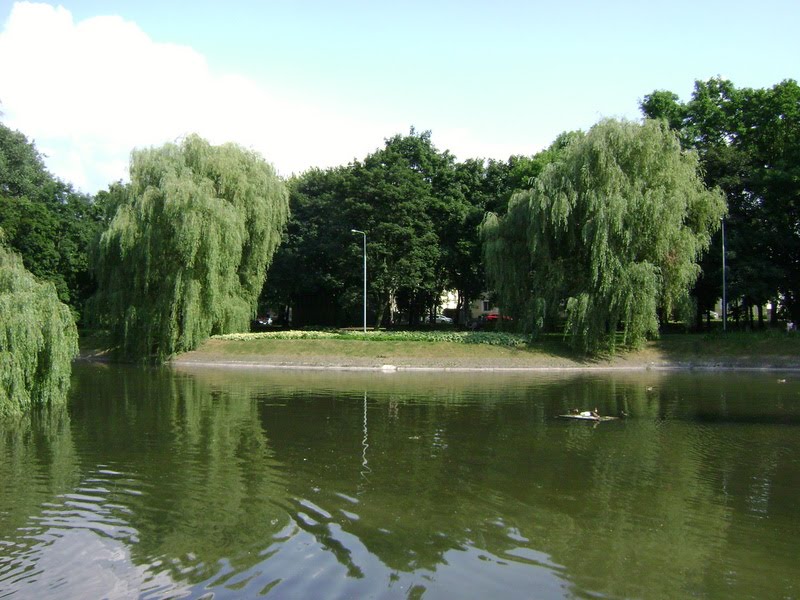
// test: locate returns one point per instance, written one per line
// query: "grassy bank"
(769, 349)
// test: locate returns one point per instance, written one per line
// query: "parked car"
(494, 317)
(488, 320)
(443, 320)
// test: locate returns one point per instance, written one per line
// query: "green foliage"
(22, 170)
(186, 252)
(398, 187)
(316, 267)
(507, 340)
(748, 141)
(46, 222)
(487, 186)
(38, 339)
(420, 211)
(610, 234)
(665, 105)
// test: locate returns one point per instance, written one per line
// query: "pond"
(215, 483)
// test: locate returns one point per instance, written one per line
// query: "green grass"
(508, 340)
(770, 342)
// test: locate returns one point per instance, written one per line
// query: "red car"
(494, 317)
(489, 319)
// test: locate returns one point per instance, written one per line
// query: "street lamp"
(365, 276)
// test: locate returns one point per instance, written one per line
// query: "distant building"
(481, 306)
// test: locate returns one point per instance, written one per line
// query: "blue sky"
(322, 83)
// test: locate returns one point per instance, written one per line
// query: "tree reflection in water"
(299, 484)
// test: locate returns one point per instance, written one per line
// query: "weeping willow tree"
(186, 253)
(609, 235)
(38, 339)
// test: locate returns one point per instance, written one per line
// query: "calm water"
(229, 484)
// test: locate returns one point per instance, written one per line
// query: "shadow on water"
(298, 484)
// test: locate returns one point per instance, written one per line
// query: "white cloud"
(89, 92)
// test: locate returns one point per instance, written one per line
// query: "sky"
(321, 83)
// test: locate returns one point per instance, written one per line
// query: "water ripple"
(82, 532)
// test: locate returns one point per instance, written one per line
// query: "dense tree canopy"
(313, 272)
(610, 233)
(179, 260)
(748, 141)
(46, 222)
(396, 191)
(421, 211)
(487, 186)
(186, 253)
(38, 339)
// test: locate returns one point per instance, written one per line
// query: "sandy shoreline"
(542, 364)
(396, 368)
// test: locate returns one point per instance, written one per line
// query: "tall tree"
(38, 339)
(610, 233)
(748, 141)
(314, 269)
(392, 198)
(22, 170)
(420, 214)
(465, 270)
(50, 225)
(186, 253)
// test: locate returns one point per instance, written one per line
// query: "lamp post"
(365, 276)
(724, 290)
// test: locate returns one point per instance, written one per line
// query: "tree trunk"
(383, 304)
(662, 317)
(698, 319)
